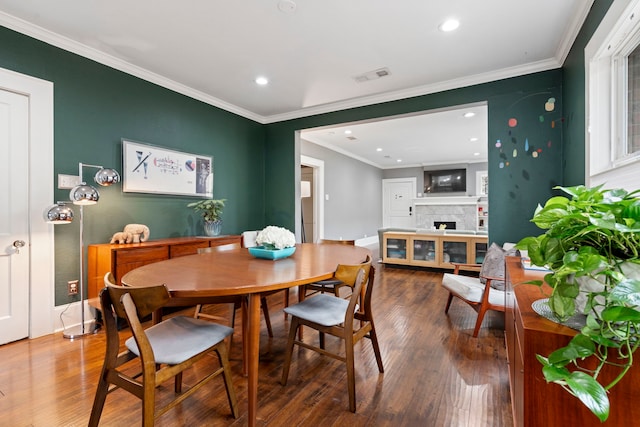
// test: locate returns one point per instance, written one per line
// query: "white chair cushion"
(179, 338)
(327, 310)
(470, 288)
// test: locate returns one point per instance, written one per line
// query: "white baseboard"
(366, 241)
(71, 315)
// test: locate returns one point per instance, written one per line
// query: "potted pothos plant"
(591, 246)
(211, 210)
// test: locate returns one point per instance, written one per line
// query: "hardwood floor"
(436, 373)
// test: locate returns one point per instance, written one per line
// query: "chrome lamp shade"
(106, 177)
(59, 213)
(84, 194)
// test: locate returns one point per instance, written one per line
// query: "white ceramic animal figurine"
(140, 232)
(122, 237)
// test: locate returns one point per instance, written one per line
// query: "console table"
(122, 258)
(535, 403)
(436, 250)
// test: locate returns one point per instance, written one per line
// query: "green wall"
(255, 165)
(574, 96)
(515, 188)
(95, 106)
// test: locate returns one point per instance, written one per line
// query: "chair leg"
(267, 319)
(98, 401)
(446, 309)
(481, 313)
(351, 373)
(177, 386)
(223, 356)
(321, 338)
(286, 302)
(293, 329)
(148, 404)
(376, 348)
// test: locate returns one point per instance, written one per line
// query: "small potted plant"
(211, 210)
(591, 245)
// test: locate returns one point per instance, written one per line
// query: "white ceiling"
(310, 50)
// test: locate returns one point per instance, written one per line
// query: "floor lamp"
(61, 213)
(305, 191)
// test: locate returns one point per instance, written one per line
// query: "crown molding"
(572, 31)
(505, 73)
(85, 51)
(69, 45)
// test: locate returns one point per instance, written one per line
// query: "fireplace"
(449, 225)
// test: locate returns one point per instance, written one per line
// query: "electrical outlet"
(72, 287)
(67, 182)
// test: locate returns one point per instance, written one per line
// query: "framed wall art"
(151, 169)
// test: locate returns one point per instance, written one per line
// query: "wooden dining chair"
(335, 316)
(332, 285)
(233, 302)
(164, 351)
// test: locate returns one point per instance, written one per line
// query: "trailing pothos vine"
(592, 236)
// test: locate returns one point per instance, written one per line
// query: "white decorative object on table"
(273, 237)
(274, 243)
(122, 237)
(140, 232)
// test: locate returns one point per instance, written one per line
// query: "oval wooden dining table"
(191, 279)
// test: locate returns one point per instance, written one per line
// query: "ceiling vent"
(351, 138)
(372, 75)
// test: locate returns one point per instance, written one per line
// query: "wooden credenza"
(433, 250)
(122, 258)
(534, 402)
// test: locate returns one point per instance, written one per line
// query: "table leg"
(253, 345)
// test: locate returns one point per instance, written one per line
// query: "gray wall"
(354, 208)
(418, 173)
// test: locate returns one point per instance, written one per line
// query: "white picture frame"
(151, 169)
(482, 183)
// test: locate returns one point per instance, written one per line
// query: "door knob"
(18, 244)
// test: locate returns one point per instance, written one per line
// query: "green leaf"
(562, 307)
(626, 292)
(590, 393)
(555, 374)
(578, 348)
(620, 314)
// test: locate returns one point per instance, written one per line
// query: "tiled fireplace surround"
(462, 210)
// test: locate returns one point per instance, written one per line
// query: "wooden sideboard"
(535, 403)
(433, 250)
(122, 258)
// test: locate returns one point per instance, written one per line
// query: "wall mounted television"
(445, 181)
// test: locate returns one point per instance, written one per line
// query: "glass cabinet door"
(424, 250)
(480, 252)
(396, 248)
(454, 251)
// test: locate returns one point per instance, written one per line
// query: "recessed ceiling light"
(378, 149)
(476, 154)
(347, 132)
(262, 81)
(474, 139)
(469, 114)
(399, 160)
(449, 25)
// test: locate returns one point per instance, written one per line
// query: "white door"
(397, 197)
(14, 217)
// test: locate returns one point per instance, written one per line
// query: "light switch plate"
(67, 182)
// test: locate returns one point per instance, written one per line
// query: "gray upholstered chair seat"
(470, 288)
(180, 338)
(326, 310)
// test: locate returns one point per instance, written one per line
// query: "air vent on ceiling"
(351, 138)
(372, 75)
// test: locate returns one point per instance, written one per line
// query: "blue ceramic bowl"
(261, 252)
